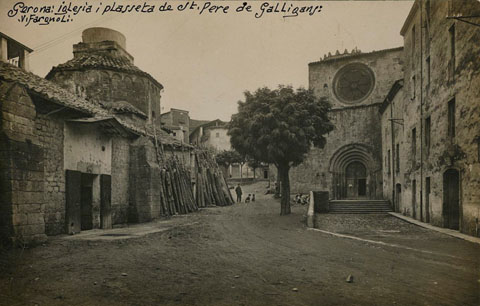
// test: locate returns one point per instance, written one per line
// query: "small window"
(413, 47)
(414, 85)
(153, 114)
(451, 33)
(428, 126)
(174, 134)
(478, 149)
(428, 9)
(397, 159)
(451, 119)
(428, 70)
(414, 144)
(217, 135)
(388, 162)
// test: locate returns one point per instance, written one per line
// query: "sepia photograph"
(248, 152)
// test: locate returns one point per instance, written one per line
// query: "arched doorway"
(356, 180)
(355, 170)
(451, 199)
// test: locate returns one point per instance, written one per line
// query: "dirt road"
(249, 255)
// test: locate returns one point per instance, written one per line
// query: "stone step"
(359, 206)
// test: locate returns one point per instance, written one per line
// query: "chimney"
(13, 52)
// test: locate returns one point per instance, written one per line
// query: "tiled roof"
(46, 89)
(119, 107)
(101, 61)
(52, 92)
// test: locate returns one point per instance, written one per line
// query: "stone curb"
(310, 212)
(445, 231)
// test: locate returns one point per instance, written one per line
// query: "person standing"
(238, 191)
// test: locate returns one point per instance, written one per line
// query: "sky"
(206, 62)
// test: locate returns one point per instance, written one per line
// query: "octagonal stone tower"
(103, 71)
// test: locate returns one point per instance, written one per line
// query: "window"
(451, 33)
(413, 47)
(478, 149)
(388, 162)
(397, 160)
(414, 199)
(451, 119)
(414, 144)
(428, 9)
(428, 123)
(428, 70)
(217, 135)
(153, 114)
(414, 85)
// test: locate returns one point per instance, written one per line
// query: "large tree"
(280, 126)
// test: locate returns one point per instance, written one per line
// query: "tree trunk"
(277, 184)
(285, 188)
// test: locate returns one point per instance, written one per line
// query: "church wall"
(110, 86)
(355, 123)
(352, 125)
(386, 66)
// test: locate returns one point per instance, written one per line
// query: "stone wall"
(110, 86)
(426, 94)
(120, 180)
(22, 162)
(353, 126)
(49, 131)
(144, 181)
(386, 66)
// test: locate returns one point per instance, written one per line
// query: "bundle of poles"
(211, 186)
(179, 196)
(176, 195)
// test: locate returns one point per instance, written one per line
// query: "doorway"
(414, 199)
(427, 200)
(356, 180)
(451, 199)
(398, 197)
(86, 201)
(83, 192)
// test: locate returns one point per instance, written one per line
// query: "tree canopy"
(280, 126)
(228, 157)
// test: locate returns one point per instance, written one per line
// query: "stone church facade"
(350, 164)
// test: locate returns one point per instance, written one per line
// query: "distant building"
(211, 135)
(178, 122)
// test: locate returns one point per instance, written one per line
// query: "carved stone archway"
(344, 186)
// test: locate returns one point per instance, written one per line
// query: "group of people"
(239, 192)
(302, 199)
